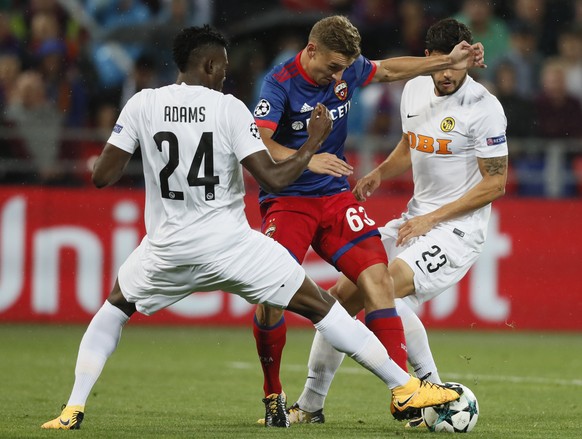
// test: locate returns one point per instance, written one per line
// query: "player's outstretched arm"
(463, 56)
(490, 188)
(397, 163)
(109, 166)
(275, 176)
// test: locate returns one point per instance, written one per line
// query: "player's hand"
(367, 185)
(320, 123)
(329, 164)
(465, 56)
(414, 227)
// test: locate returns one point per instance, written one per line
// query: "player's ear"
(311, 49)
(426, 52)
(209, 66)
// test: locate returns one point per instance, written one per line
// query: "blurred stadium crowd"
(68, 66)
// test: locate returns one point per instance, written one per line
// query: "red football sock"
(387, 326)
(270, 343)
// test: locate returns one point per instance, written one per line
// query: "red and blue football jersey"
(288, 95)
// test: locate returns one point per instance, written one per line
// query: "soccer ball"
(459, 416)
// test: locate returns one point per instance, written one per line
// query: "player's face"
(446, 82)
(324, 66)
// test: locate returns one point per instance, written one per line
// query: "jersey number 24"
(203, 152)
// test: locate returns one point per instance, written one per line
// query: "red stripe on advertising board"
(60, 249)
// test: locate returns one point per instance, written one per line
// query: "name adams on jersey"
(184, 114)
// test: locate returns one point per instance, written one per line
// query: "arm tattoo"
(495, 165)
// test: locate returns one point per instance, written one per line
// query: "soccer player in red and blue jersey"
(319, 209)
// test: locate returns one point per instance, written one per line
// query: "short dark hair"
(446, 34)
(192, 39)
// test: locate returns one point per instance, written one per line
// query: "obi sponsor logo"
(429, 144)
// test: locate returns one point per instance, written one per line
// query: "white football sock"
(353, 337)
(323, 363)
(98, 343)
(419, 353)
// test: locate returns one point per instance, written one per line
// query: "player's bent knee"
(117, 299)
(348, 295)
(311, 302)
(267, 315)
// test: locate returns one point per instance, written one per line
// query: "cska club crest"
(341, 90)
(271, 229)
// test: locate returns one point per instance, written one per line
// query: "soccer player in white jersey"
(454, 140)
(193, 140)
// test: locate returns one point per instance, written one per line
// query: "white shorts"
(256, 268)
(438, 259)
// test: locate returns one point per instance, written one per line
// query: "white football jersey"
(447, 134)
(192, 140)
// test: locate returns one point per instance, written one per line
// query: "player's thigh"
(347, 238)
(150, 283)
(261, 270)
(256, 268)
(402, 276)
(438, 260)
(292, 222)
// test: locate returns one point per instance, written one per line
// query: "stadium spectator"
(143, 75)
(570, 52)
(412, 26)
(9, 41)
(519, 108)
(121, 29)
(64, 86)
(380, 104)
(525, 58)
(558, 113)
(190, 233)
(117, 46)
(493, 32)
(173, 14)
(546, 18)
(44, 26)
(576, 13)
(376, 22)
(39, 125)
(10, 69)
(459, 168)
(557, 116)
(287, 45)
(318, 209)
(103, 117)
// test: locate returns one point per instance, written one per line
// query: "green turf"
(206, 383)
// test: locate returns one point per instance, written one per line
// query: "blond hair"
(337, 34)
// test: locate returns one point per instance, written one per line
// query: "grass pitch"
(206, 383)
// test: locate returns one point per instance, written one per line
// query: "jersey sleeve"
(365, 70)
(271, 105)
(488, 128)
(242, 130)
(124, 134)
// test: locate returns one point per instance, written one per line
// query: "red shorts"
(336, 226)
